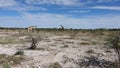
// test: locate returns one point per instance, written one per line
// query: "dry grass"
(7, 40)
(11, 40)
(65, 46)
(84, 43)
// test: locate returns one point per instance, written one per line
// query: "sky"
(85, 14)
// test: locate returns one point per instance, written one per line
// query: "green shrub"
(55, 65)
(14, 59)
(114, 41)
(6, 65)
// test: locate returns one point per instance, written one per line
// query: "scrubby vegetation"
(58, 48)
(6, 61)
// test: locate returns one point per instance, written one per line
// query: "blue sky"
(53, 13)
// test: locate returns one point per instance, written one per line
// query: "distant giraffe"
(31, 28)
(62, 27)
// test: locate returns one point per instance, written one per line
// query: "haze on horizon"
(53, 13)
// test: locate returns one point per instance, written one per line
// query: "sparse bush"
(94, 42)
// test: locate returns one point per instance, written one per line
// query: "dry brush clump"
(34, 39)
(33, 44)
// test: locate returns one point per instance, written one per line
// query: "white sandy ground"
(53, 50)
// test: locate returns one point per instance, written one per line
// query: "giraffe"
(62, 27)
(31, 28)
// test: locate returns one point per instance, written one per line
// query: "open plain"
(55, 48)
